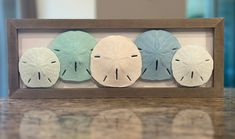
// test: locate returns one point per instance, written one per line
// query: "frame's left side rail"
(13, 58)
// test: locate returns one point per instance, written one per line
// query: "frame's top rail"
(116, 23)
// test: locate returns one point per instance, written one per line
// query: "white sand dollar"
(116, 62)
(192, 66)
(39, 67)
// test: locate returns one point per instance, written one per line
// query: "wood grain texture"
(114, 23)
(13, 58)
(170, 118)
(14, 26)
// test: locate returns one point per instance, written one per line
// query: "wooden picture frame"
(16, 25)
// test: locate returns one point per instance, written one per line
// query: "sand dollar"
(73, 48)
(39, 67)
(192, 66)
(157, 48)
(116, 62)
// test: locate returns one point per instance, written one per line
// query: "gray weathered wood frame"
(16, 25)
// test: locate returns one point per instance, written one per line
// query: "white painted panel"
(201, 37)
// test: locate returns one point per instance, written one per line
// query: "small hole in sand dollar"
(57, 50)
(75, 66)
(39, 76)
(134, 55)
(49, 80)
(104, 78)
(88, 71)
(182, 78)
(168, 71)
(156, 64)
(116, 72)
(144, 71)
(128, 77)
(201, 78)
(63, 72)
(192, 75)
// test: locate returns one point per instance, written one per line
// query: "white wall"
(56, 9)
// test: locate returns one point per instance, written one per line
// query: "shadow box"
(24, 34)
